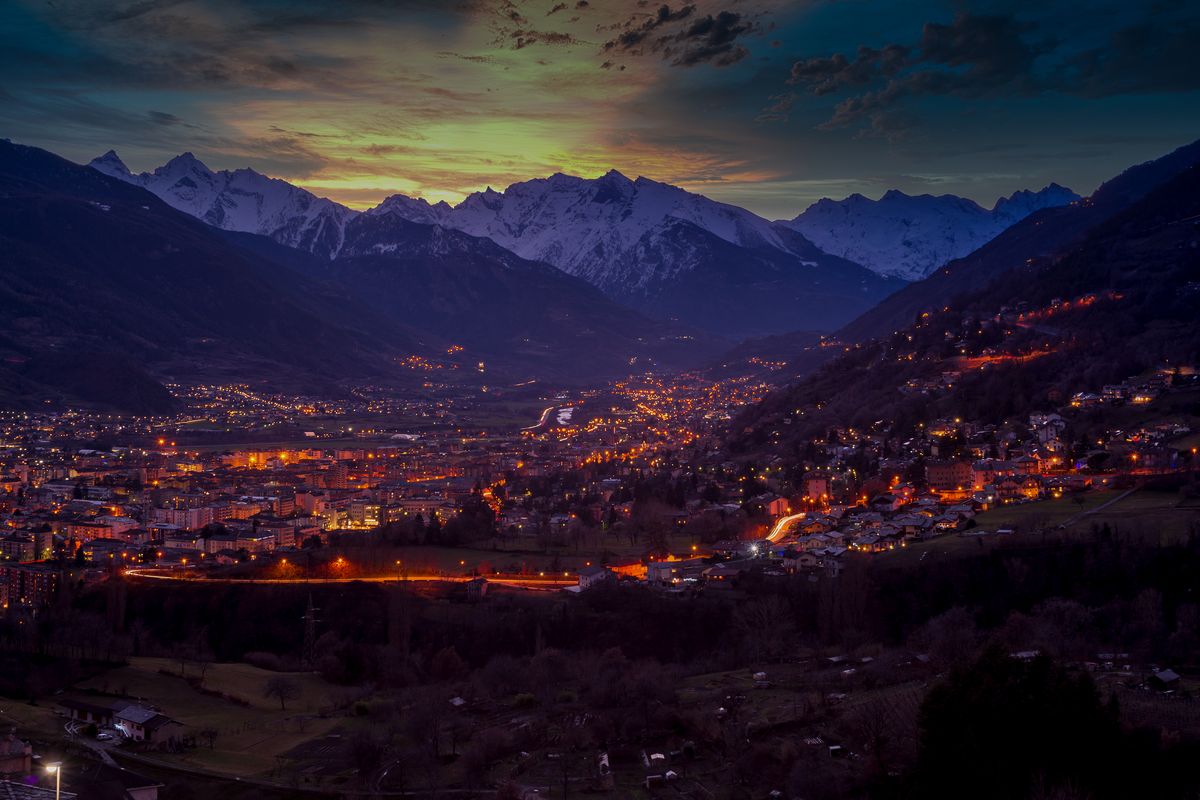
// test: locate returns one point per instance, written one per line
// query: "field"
(1043, 512)
(520, 555)
(1150, 515)
(249, 737)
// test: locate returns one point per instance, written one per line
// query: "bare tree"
(283, 688)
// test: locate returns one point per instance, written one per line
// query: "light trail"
(522, 582)
(780, 528)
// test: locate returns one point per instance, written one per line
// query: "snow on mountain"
(1019, 205)
(241, 200)
(912, 236)
(653, 246)
(590, 228)
(111, 164)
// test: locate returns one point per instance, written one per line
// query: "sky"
(766, 104)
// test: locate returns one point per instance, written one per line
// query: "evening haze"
(767, 105)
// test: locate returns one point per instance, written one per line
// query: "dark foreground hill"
(1040, 236)
(1120, 301)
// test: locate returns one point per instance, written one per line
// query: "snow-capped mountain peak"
(182, 164)
(241, 200)
(910, 236)
(587, 226)
(111, 164)
(1024, 202)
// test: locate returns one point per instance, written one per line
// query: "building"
(98, 714)
(592, 576)
(99, 780)
(948, 476)
(143, 724)
(27, 584)
(16, 790)
(16, 756)
(186, 518)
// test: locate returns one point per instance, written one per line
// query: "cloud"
(522, 38)
(837, 72)
(1159, 54)
(989, 55)
(163, 118)
(712, 39)
(684, 39)
(635, 36)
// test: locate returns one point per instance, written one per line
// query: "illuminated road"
(538, 582)
(545, 419)
(781, 525)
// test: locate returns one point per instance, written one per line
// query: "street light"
(56, 768)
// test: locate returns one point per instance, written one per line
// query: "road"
(543, 421)
(538, 582)
(781, 525)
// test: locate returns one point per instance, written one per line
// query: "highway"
(543, 420)
(532, 582)
(780, 528)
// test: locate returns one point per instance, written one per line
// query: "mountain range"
(657, 248)
(910, 237)
(101, 272)
(115, 282)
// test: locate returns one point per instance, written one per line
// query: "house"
(667, 573)
(16, 756)
(772, 504)
(99, 780)
(97, 714)
(592, 576)
(12, 790)
(727, 571)
(143, 724)
(885, 502)
(477, 588)
(1165, 679)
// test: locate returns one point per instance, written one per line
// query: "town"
(539, 494)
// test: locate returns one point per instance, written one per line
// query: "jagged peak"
(184, 162)
(616, 175)
(110, 163)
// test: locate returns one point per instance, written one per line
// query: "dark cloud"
(523, 38)
(712, 39)
(464, 57)
(682, 39)
(837, 72)
(1157, 55)
(557, 7)
(163, 118)
(637, 34)
(971, 55)
(979, 55)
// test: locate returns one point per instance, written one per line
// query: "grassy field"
(1149, 515)
(38, 721)
(248, 737)
(1042, 512)
(521, 554)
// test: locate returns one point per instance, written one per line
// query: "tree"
(283, 688)
(999, 727)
